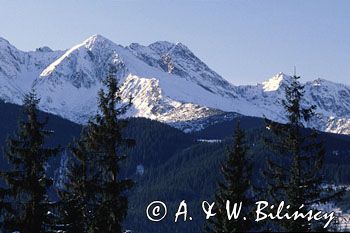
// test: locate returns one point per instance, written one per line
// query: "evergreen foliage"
(94, 199)
(294, 174)
(237, 188)
(25, 204)
(176, 166)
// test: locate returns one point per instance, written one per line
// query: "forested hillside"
(172, 166)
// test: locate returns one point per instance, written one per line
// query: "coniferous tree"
(24, 201)
(75, 205)
(294, 174)
(236, 187)
(94, 198)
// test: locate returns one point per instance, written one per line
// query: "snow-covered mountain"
(331, 99)
(19, 69)
(167, 82)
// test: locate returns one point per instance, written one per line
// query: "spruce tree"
(236, 187)
(75, 214)
(24, 201)
(294, 174)
(95, 197)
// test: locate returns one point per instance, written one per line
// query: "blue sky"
(244, 41)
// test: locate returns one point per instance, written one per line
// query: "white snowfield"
(167, 82)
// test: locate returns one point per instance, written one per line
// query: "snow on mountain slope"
(19, 69)
(65, 86)
(166, 80)
(333, 105)
(331, 99)
(179, 60)
(149, 102)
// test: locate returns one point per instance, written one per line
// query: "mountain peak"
(96, 37)
(166, 80)
(274, 83)
(96, 40)
(84, 57)
(44, 49)
(161, 47)
(182, 46)
(164, 47)
(325, 82)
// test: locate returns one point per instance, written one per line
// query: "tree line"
(93, 196)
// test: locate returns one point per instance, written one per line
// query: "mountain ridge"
(167, 81)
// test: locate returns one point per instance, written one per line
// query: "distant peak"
(44, 49)
(274, 83)
(96, 39)
(134, 45)
(318, 81)
(325, 82)
(161, 46)
(162, 43)
(180, 45)
(164, 47)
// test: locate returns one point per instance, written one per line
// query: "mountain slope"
(19, 69)
(177, 59)
(66, 86)
(167, 82)
(166, 163)
(331, 99)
